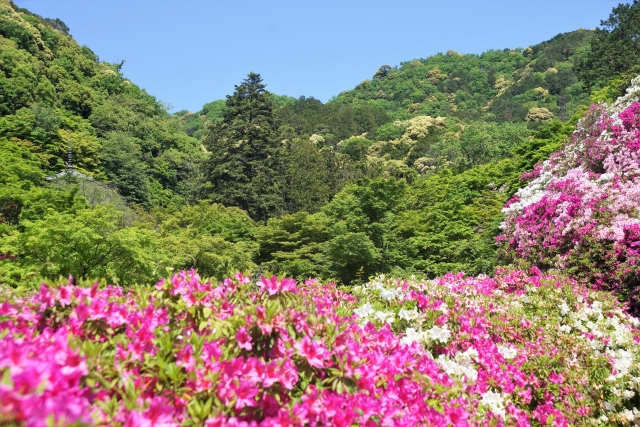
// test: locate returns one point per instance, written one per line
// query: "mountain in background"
(511, 85)
(497, 85)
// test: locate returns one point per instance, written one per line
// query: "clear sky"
(189, 52)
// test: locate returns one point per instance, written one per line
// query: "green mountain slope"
(497, 85)
(53, 90)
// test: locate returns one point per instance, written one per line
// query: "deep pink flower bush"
(579, 213)
(514, 350)
(237, 353)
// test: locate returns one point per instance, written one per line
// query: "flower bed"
(518, 349)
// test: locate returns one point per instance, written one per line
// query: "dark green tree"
(243, 167)
(615, 48)
(308, 176)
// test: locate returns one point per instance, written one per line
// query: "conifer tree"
(243, 167)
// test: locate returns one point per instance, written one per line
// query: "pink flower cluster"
(579, 213)
(276, 353)
(228, 354)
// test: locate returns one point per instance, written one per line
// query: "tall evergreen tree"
(615, 47)
(243, 168)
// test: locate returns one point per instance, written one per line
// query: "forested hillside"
(411, 182)
(497, 85)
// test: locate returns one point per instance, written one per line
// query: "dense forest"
(517, 166)
(407, 173)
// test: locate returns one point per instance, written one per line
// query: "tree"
(615, 48)
(308, 176)
(86, 244)
(243, 166)
(214, 240)
(352, 256)
(122, 161)
(382, 71)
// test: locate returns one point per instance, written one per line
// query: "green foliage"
(333, 121)
(216, 240)
(454, 220)
(294, 244)
(19, 165)
(122, 159)
(243, 166)
(389, 131)
(309, 175)
(88, 243)
(614, 49)
(345, 241)
(483, 142)
(356, 148)
(52, 90)
(497, 85)
(352, 256)
(406, 173)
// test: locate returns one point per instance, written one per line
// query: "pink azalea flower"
(274, 286)
(243, 339)
(245, 394)
(159, 414)
(313, 351)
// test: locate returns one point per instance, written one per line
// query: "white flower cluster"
(532, 192)
(626, 416)
(439, 334)
(564, 308)
(613, 338)
(591, 320)
(631, 96)
(495, 402)
(461, 366)
(507, 352)
(435, 334)
(366, 313)
(409, 315)
(387, 293)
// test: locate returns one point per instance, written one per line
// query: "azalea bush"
(518, 349)
(579, 212)
(521, 349)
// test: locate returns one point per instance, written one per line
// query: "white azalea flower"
(364, 311)
(494, 401)
(507, 352)
(389, 294)
(384, 316)
(408, 315)
(628, 394)
(564, 308)
(412, 335)
(441, 334)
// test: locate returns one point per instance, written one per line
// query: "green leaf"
(206, 312)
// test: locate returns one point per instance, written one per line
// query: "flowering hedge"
(518, 349)
(579, 213)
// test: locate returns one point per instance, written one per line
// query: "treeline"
(512, 85)
(412, 183)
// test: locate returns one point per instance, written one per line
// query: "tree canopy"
(615, 48)
(243, 167)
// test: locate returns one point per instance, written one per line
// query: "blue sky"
(189, 52)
